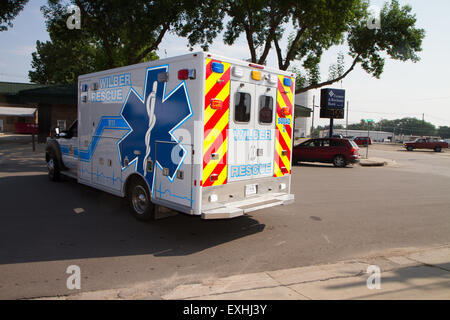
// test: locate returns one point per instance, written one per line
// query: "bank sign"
(332, 103)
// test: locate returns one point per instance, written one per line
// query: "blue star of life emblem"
(152, 120)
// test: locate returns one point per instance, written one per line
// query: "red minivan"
(363, 141)
(340, 152)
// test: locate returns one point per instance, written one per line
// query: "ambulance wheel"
(140, 201)
(54, 172)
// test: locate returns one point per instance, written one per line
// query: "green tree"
(9, 9)
(444, 132)
(113, 33)
(318, 25)
(407, 126)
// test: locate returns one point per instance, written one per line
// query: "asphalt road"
(338, 214)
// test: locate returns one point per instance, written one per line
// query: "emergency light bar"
(287, 82)
(256, 75)
(238, 72)
(217, 67)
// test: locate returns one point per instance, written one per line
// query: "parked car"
(426, 143)
(363, 141)
(340, 152)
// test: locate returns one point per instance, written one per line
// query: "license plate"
(250, 189)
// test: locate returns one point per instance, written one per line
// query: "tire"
(409, 148)
(54, 170)
(339, 161)
(437, 149)
(139, 200)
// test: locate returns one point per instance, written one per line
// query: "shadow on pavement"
(38, 221)
(400, 282)
(320, 165)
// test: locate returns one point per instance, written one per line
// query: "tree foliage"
(407, 126)
(113, 33)
(120, 32)
(444, 132)
(317, 26)
(9, 9)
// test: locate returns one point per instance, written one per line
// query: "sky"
(405, 89)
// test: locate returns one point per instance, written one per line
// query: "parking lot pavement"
(339, 214)
(417, 161)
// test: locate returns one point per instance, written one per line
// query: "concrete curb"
(409, 273)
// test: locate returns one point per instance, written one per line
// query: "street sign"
(369, 120)
(332, 103)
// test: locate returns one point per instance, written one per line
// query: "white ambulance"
(200, 133)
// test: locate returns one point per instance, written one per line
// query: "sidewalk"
(405, 274)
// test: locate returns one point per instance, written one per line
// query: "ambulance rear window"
(242, 103)
(265, 109)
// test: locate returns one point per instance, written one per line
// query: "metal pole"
(423, 124)
(368, 137)
(313, 107)
(331, 126)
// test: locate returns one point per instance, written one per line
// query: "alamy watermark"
(74, 280)
(374, 280)
(74, 20)
(374, 21)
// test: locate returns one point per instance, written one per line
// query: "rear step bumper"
(239, 208)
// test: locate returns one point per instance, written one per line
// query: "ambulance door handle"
(252, 153)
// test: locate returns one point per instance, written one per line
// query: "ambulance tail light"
(284, 170)
(216, 104)
(214, 177)
(185, 74)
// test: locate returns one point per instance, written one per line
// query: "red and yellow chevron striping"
(217, 86)
(283, 128)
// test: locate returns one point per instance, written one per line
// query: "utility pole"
(368, 138)
(346, 122)
(313, 107)
(423, 124)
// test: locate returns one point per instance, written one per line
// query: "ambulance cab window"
(242, 103)
(265, 109)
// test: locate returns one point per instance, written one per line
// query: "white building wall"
(302, 126)
(378, 136)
